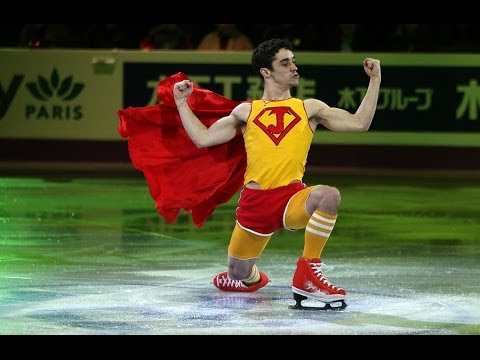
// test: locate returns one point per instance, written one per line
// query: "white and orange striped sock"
(318, 229)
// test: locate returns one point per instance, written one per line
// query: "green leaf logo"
(65, 89)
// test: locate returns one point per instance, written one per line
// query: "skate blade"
(333, 305)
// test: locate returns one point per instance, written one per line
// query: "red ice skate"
(309, 282)
(225, 283)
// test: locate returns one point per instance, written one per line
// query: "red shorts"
(262, 211)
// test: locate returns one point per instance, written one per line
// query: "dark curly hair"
(264, 53)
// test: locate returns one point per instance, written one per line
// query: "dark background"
(309, 37)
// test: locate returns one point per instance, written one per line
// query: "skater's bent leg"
(243, 251)
(315, 210)
(323, 204)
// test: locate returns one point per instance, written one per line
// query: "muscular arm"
(343, 121)
(220, 132)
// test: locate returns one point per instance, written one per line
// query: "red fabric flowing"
(179, 175)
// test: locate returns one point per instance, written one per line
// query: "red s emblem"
(277, 131)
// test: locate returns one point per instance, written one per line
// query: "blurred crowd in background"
(459, 38)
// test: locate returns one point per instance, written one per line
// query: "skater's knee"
(238, 272)
(327, 198)
(239, 269)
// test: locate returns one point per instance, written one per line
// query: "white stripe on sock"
(323, 226)
(316, 232)
(319, 217)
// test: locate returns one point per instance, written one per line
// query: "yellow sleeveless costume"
(277, 139)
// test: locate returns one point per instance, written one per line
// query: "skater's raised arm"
(341, 120)
(223, 130)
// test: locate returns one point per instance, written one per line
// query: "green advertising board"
(431, 99)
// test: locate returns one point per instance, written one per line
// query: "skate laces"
(317, 270)
(227, 282)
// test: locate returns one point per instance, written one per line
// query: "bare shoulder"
(314, 106)
(242, 111)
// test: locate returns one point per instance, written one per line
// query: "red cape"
(179, 175)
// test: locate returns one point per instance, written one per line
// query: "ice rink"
(90, 256)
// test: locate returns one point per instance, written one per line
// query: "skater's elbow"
(199, 144)
(203, 143)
